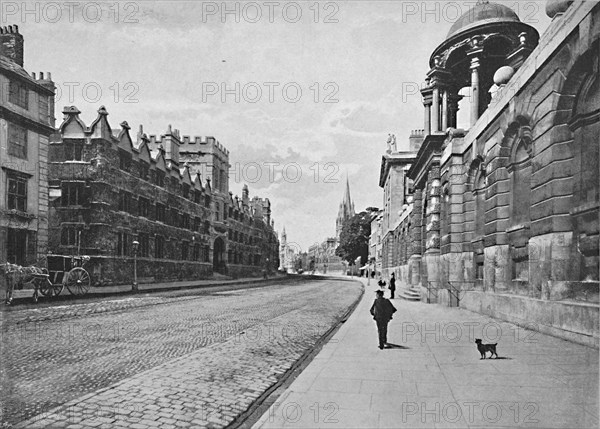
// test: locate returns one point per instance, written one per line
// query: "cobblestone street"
(157, 361)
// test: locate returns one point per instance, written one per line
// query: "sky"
(303, 94)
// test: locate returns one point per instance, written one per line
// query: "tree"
(354, 238)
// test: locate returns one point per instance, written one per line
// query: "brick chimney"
(245, 195)
(11, 44)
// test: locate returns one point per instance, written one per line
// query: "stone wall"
(506, 216)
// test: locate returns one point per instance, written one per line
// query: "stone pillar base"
(431, 268)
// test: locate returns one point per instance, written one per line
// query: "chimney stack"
(11, 44)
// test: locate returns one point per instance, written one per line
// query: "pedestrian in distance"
(382, 311)
(392, 286)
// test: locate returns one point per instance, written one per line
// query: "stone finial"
(71, 110)
(102, 111)
(125, 125)
(503, 75)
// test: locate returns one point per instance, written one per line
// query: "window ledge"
(518, 227)
(19, 214)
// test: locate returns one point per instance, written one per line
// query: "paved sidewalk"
(434, 377)
(26, 294)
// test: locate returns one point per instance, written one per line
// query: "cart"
(62, 271)
(66, 271)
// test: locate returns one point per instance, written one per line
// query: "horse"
(16, 275)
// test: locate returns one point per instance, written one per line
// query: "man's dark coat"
(382, 310)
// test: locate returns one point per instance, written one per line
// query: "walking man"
(392, 286)
(382, 310)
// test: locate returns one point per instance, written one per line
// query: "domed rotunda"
(484, 39)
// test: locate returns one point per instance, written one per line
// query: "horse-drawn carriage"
(62, 271)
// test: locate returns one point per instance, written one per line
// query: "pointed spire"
(347, 199)
(346, 210)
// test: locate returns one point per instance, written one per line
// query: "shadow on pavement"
(395, 346)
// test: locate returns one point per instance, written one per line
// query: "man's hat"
(379, 292)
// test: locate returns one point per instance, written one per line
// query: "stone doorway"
(219, 265)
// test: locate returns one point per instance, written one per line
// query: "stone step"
(409, 295)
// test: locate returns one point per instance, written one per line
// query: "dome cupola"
(483, 13)
(483, 40)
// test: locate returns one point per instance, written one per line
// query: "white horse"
(17, 275)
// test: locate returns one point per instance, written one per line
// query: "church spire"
(346, 210)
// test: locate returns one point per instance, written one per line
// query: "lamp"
(134, 286)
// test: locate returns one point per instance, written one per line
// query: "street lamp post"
(266, 269)
(134, 286)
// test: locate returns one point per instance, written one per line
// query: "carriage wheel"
(78, 281)
(45, 286)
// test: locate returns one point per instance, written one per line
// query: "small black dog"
(484, 348)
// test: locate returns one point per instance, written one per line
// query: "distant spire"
(346, 210)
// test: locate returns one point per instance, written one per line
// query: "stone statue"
(391, 143)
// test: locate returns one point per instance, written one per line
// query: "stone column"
(414, 261)
(431, 257)
(474, 90)
(441, 81)
(416, 223)
(453, 99)
(433, 210)
(474, 54)
(444, 110)
(435, 111)
(427, 100)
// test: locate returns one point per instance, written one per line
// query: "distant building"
(323, 254)
(397, 187)
(26, 122)
(375, 244)
(287, 254)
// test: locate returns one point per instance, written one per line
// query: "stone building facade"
(26, 122)
(397, 187)
(110, 190)
(375, 244)
(505, 215)
(288, 253)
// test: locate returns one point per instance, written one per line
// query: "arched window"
(520, 169)
(477, 183)
(445, 217)
(518, 139)
(479, 188)
(582, 92)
